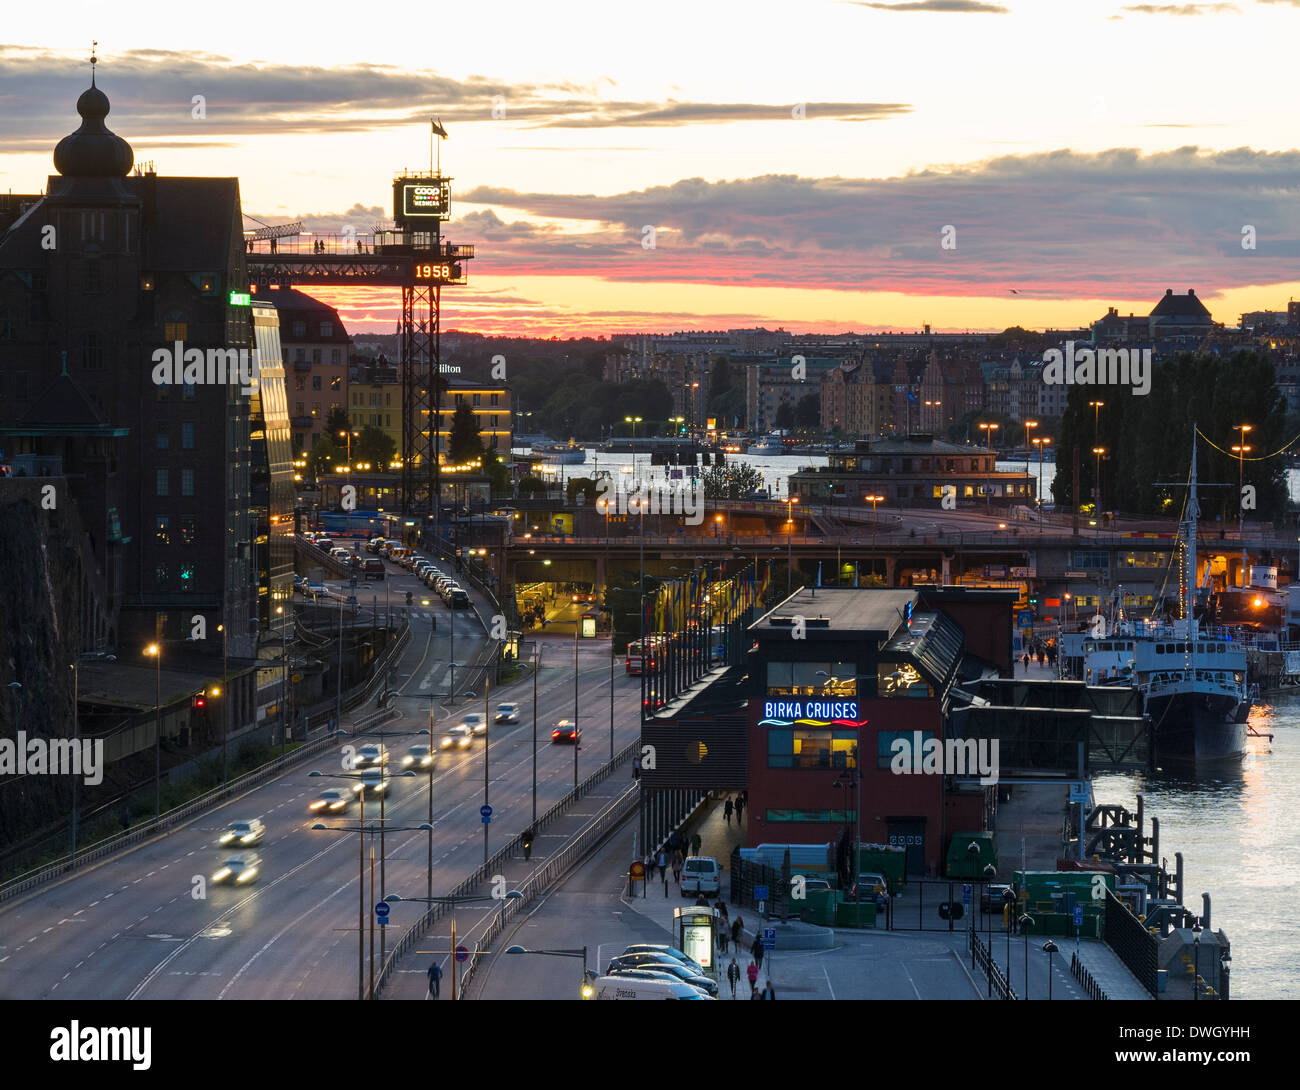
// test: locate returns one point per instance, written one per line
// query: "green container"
(881, 859)
(852, 914)
(817, 908)
(959, 861)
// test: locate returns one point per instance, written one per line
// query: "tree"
(586, 486)
(336, 420)
(463, 444)
(495, 468)
(784, 417)
(733, 481)
(325, 455)
(808, 411)
(374, 446)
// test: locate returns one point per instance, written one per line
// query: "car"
(625, 987)
(238, 869)
(662, 963)
(565, 731)
(815, 885)
(701, 874)
(373, 545)
(430, 578)
(475, 721)
(420, 757)
(507, 713)
(372, 784)
(373, 568)
(458, 598)
(371, 756)
(243, 833)
(342, 555)
(326, 543)
(582, 596)
(657, 948)
(994, 896)
(869, 887)
(331, 801)
(664, 973)
(315, 590)
(457, 737)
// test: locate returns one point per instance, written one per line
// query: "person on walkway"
(757, 949)
(733, 976)
(435, 979)
(696, 841)
(752, 973)
(721, 906)
(701, 901)
(663, 864)
(677, 871)
(741, 803)
(737, 929)
(723, 936)
(727, 807)
(1025, 660)
(768, 991)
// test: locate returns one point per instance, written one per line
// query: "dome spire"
(93, 151)
(93, 61)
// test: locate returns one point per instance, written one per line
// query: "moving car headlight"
(226, 838)
(317, 804)
(221, 875)
(337, 805)
(246, 875)
(247, 837)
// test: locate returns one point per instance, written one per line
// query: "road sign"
(769, 938)
(965, 894)
(760, 893)
(1078, 915)
(1078, 795)
(485, 812)
(383, 908)
(461, 953)
(638, 869)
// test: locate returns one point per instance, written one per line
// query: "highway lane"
(131, 927)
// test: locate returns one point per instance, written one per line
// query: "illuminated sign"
(240, 299)
(786, 712)
(438, 274)
(426, 198)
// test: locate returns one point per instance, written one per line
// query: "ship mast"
(1193, 514)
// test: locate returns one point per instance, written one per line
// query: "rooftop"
(859, 611)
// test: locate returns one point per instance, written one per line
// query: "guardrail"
(110, 845)
(417, 930)
(980, 956)
(1091, 988)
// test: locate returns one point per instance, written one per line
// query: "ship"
(766, 445)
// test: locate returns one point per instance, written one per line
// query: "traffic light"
(200, 700)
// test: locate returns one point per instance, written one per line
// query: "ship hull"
(1199, 727)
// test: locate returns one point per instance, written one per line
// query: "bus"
(636, 655)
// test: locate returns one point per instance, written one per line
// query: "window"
(163, 439)
(902, 679)
(188, 390)
(175, 331)
(187, 575)
(92, 352)
(885, 746)
(811, 679)
(336, 382)
(315, 382)
(835, 817)
(161, 532)
(1089, 558)
(299, 330)
(160, 483)
(299, 383)
(188, 535)
(494, 398)
(335, 357)
(374, 401)
(315, 355)
(805, 748)
(187, 482)
(160, 575)
(94, 278)
(187, 435)
(301, 410)
(327, 329)
(300, 355)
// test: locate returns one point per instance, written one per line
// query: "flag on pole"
(438, 130)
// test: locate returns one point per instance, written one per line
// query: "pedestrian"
(1025, 660)
(721, 906)
(733, 976)
(757, 949)
(722, 939)
(741, 803)
(435, 979)
(701, 901)
(663, 865)
(737, 929)
(768, 991)
(752, 973)
(696, 841)
(677, 872)
(726, 809)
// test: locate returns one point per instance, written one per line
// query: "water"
(1240, 842)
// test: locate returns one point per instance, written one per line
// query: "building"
(490, 404)
(1176, 323)
(375, 400)
(158, 460)
(772, 383)
(316, 349)
(912, 471)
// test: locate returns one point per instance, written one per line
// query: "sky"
(822, 167)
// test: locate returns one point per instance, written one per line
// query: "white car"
(507, 713)
(419, 757)
(458, 737)
(243, 833)
(701, 874)
(373, 782)
(475, 721)
(238, 869)
(331, 801)
(371, 756)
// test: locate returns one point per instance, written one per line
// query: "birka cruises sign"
(822, 712)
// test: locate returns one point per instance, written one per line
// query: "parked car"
(666, 971)
(624, 987)
(672, 951)
(458, 598)
(994, 896)
(662, 963)
(565, 731)
(373, 568)
(869, 887)
(701, 874)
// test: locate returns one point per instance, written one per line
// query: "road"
(136, 927)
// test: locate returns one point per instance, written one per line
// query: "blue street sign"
(769, 938)
(1078, 915)
(485, 812)
(461, 953)
(965, 895)
(383, 908)
(760, 893)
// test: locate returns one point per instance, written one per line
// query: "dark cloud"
(153, 95)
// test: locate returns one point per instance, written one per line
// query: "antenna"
(93, 61)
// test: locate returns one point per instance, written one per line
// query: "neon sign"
(819, 713)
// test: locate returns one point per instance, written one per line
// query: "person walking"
(741, 802)
(696, 841)
(768, 991)
(721, 906)
(752, 973)
(757, 949)
(663, 865)
(737, 929)
(723, 936)
(677, 870)
(1025, 661)
(733, 976)
(435, 979)
(727, 807)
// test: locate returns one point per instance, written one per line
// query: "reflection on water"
(1240, 840)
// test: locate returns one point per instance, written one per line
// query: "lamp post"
(1028, 424)
(586, 983)
(972, 856)
(453, 901)
(1098, 451)
(873, 500)
(789, 540)
(1026, 922)
(155, 649)
(988, 430)
(1196, 961)
(76, 743)
(1049, 948)
(1040, 443)
(1241, 451)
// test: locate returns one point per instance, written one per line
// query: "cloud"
(152, 93)
(971, 6)
(1183, 9)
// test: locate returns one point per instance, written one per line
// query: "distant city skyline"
(799, 168)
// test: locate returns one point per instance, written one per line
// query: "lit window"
(161, 533)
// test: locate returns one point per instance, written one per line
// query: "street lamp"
(453, 901)
(587, 989)
(1098, 451)
(155, 649)
(1026, 922)
(1241, 450)
(972, 857)
(873, 500)
(1028, 424)
(1049, 948)
(1196, 961)
(1045, 441)
(789, 540)
(1096, 407)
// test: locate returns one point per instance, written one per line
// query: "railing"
(980, 956)
(1091, 988)
(163, 823)
(1133, 944)
(417, 930)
